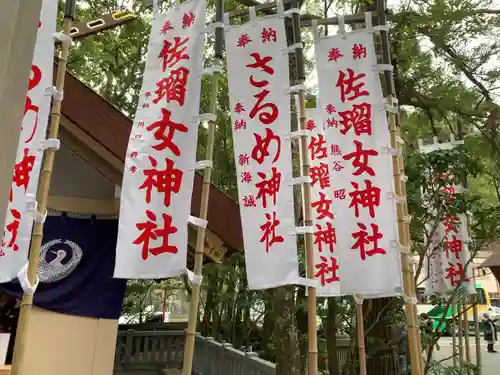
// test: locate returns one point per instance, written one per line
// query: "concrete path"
(490, 361)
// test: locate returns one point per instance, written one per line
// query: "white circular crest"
(55, 270)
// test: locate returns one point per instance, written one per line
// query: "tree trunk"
(379, 340)
(331, 337)
(286, 343)
(302, 325)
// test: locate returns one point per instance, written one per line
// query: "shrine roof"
(110, 127)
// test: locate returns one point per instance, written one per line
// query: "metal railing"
(142, 351)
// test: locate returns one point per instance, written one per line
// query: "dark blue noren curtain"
(78, 269)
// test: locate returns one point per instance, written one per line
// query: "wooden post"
(360, 328)
(476, 332)
(18, 29)
(459, 325)
(466, 332)
(453, 333)
(415, 349)
(306, 194)
(207, 176)
(42, 196)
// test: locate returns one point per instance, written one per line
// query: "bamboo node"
(296, 88)
(301, 230)
(206, 117)
(202, 164)
(196, 221)
(411, 300)
(61, 37)
(193, 278)
(50, 143)
(56, 94)
(299, 133)
(32, 207)
(301, 180)
(25, 282)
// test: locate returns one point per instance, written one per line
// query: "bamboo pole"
(309, 246)
(459, 324)
(42, 197)
(207, 176)
(476, 332)
(466, 332)
(415, 347)
(308, 222)
(453, 333)
(404, 239)
(360, 328)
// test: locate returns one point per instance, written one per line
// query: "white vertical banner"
(21, 210)
(161, 156)
(258, 75)
(326, 265)
(364, 204)
(447, 261)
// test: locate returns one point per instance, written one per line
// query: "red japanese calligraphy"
(454, 246)
(167, 26)
(451, 224)
(339, 194)
(249, 201)
(172, 53)
(151, 231)
(366, 198)
(358, 51)
(349, 89)
(132, 169)
(240, 124)
(319, 174)
(261, 63)
(335, 150)
(188, 20)
(360, 161)
(449, 192)
(243, 40)
(269, 187)
(13, 229)
(265, 117)
(323, 207)
(326, 237)
(166, 181)
(238, 108)
(455, 274)
(268, 35)
(29, 106)
(332, 123)
(334, 54)
(246, 177)
(134, 154)
(37, 77)
(310, 125)
(362, 240)
(358, 118)
(173, 87)
(330, 109)
(22, 170)
(243, 159)
(166, 137)
(317, 146)
(327, 270)
(337, 167)
(269, 229)
(261, 148)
